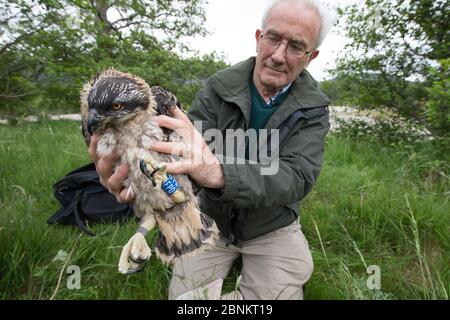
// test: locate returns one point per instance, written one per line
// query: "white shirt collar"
(280, 92)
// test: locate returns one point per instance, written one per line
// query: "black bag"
(84, 199)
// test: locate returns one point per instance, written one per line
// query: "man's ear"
(258, 38)
(314, 55)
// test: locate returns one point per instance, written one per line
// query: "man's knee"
(284, 269)
(189, 273)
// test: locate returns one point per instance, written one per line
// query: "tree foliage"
(439, 98)
(49, 48)
(397, 58)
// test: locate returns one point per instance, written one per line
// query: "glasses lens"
(273, 41)
(295, 50)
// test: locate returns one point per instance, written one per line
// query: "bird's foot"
(134, 255)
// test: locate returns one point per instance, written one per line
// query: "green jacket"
(251, 204)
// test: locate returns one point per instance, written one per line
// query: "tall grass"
(33, 157)
(372, 206)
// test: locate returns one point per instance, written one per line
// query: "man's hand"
(197, 160)
(113, 181)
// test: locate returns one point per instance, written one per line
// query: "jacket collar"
(232, 85)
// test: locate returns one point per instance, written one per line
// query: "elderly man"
(258, 215)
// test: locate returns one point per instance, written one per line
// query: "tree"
(394, 45)
(439, 99)
(49, 48)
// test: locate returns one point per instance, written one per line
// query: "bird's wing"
(164, 99)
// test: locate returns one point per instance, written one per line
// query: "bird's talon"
(139, 260)
(133, 271)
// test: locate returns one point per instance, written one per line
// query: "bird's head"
(115, 97)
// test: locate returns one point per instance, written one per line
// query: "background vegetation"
(48, 49)
(373, 205)
(382, 197)
(397, 59)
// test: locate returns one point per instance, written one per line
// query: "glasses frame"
(274, 48)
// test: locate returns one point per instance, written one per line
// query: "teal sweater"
(262, 111)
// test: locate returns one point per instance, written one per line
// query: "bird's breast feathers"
(132, 142)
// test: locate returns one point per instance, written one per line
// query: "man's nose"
(279, 55)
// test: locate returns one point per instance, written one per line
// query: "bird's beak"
(94, 121)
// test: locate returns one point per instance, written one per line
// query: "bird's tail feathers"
(185, 234)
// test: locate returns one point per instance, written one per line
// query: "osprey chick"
(121, 107)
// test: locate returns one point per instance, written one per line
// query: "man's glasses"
(294, 48)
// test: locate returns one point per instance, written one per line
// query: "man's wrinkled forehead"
(286, 17)
(284, 34)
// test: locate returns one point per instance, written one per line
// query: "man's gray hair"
(326, 16)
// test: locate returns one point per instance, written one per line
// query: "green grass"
(371, 206)
(376, 206)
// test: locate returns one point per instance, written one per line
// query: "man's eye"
(273, 38)
(297, 47)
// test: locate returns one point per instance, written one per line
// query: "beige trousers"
(274, 266)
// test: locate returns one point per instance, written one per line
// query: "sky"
(232, 25)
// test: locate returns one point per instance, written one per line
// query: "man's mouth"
(274, 69)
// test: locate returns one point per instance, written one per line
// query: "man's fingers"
(115, 182)
(179, 114)
(105, 166)
(178, 167)
(175, 148)
(126, 196)
(170, 123)
(93, 148)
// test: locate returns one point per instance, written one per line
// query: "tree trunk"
(103, 30)
(102, 7)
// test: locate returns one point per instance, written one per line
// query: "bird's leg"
(169, 185)
(137, 251)
(156, 172)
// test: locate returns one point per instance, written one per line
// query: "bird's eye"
(117, 107)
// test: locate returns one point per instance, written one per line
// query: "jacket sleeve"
(299, 162)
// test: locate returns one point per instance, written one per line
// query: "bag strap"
(81, 225)
(65, 211)
(72, 207)
(287, 125)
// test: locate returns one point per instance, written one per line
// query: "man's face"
(295, 25)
